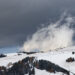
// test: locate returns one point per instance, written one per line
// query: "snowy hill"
(63, 59)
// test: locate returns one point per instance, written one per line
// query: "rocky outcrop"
(2, 55)
(50, 67)
(28, 65)
(71, 59)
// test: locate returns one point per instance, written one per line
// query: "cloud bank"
(55, 35)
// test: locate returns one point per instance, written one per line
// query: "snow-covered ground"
(57, 57)
(39, 72)
(11, 58)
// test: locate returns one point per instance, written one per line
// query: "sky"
(19, 19)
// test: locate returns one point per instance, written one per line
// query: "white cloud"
(56, 35)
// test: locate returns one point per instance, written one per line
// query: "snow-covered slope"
(57, 57)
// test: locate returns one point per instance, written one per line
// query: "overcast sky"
(21, 18)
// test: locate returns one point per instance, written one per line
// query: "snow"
(13, 57)
(43, 72)
(58, 57)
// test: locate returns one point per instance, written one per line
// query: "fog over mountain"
(19, 19)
